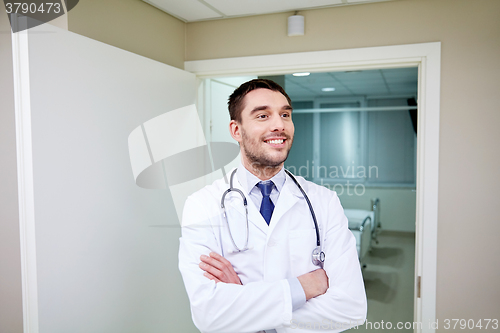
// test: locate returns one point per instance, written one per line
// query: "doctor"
(249, 269)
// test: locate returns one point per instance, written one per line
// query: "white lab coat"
(277, 252)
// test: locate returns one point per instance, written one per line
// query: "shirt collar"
(248, 180)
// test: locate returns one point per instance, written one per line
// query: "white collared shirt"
(249, 183)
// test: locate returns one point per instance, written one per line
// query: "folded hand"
(219, 269)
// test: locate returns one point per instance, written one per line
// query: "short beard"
(262, 164)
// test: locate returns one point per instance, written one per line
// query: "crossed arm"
(219, 269)
(231, 306)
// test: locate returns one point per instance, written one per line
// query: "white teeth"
(276, 141)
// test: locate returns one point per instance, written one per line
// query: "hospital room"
(114, 113)
(364, 148)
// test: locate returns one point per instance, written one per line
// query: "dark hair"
(235, 102)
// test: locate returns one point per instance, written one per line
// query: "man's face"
(266, 130)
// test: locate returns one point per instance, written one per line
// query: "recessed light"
(301, 74)
(328, 89)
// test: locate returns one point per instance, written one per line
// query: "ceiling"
(377, 82)
(200, 10)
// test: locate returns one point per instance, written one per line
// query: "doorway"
(426, 57)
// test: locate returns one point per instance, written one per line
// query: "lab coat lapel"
(288, 197)
(256, 218)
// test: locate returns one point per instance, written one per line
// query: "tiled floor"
(389, 282)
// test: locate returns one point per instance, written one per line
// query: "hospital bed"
(365, 226)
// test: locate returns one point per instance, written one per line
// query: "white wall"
(397, 205)
(106, 248)
(220, 90)
(219, 94)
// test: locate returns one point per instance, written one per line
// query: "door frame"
(425, 56)
(25, 180)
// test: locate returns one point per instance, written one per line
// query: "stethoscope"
(318, 256)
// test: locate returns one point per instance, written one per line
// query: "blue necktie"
(267, 206)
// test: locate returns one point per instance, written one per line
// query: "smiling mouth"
(275, 142)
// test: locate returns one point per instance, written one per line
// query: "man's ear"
(235, 130)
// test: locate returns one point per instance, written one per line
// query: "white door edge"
(22, 103)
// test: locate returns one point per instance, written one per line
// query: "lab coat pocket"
(301, 244)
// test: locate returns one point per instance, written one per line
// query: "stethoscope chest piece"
(318, 256)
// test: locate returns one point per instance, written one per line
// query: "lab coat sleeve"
(223, 307)
(344, 303)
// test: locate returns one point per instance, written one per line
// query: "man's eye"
(261, 116)
(285, 115)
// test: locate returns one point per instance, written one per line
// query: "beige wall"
(11, 312)
(132, 25)
(469, 223)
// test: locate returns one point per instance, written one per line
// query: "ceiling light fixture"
(295, 25)
(328, 89)
(301, 74)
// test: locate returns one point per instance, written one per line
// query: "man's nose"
(277, 124)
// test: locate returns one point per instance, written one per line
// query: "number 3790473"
(33, 8)
(470, 324)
